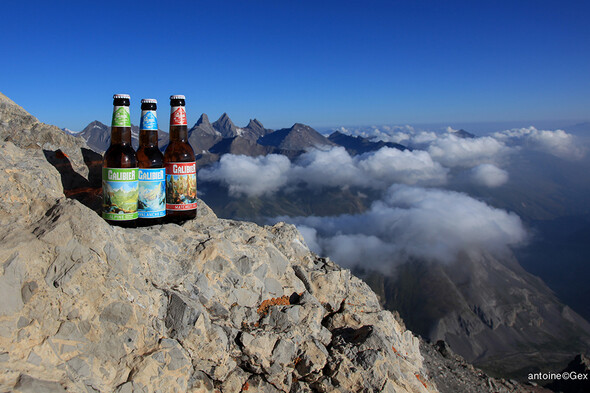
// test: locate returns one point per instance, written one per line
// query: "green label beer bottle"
(120, 176)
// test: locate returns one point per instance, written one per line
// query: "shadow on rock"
(76, 186)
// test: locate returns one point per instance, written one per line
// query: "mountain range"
(211, 140)
(488, 308)
(98, 136)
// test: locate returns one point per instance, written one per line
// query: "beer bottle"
(152, 183)
(181, 169)
(119, 169)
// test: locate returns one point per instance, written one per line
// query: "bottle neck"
(148, 138)
(120, 135)
(178, 133)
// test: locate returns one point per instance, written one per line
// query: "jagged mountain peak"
(224, 117)
(255, 124)
(226, 126)
(96, 123)
(204, 119)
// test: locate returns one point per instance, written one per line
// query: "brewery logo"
(178, 116)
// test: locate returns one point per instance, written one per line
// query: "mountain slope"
(490, 311)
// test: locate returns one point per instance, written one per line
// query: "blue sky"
(319, 63)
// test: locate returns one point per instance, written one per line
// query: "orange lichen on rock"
(275, 301)
(246, 386)
(421, 381)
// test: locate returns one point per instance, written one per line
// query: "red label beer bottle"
(119, 169)
(181, 169)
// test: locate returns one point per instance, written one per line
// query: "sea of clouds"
(416, 217)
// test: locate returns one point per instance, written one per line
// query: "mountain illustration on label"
(178, 117)
(121, 117)
(148, 121)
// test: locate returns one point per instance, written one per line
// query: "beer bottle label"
(148, 120)
(121, 117)
(181, 186)
(119, 193)
(177, 116)
(152, 193)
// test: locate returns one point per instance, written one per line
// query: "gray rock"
(117, 313)
(28, 384)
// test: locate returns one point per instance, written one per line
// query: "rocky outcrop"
(25, 131)
(213, 305)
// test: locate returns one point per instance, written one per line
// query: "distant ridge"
(98, 136)
(212, 140)
(358, 145)
(299, 137)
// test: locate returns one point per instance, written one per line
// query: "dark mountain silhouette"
(463, 134)
(358, 145)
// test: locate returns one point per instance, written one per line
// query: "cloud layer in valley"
(412, 222)
(410, 219)
(428, 164)
(255, 176)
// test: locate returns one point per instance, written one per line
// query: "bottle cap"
(149, 101)
(177, 97)
(127, 96)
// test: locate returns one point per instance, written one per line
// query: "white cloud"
(390, 166)
(413, 222)
(453, 151)
(326, 168)
(488, 175)
(253, 176)
(558, 143)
